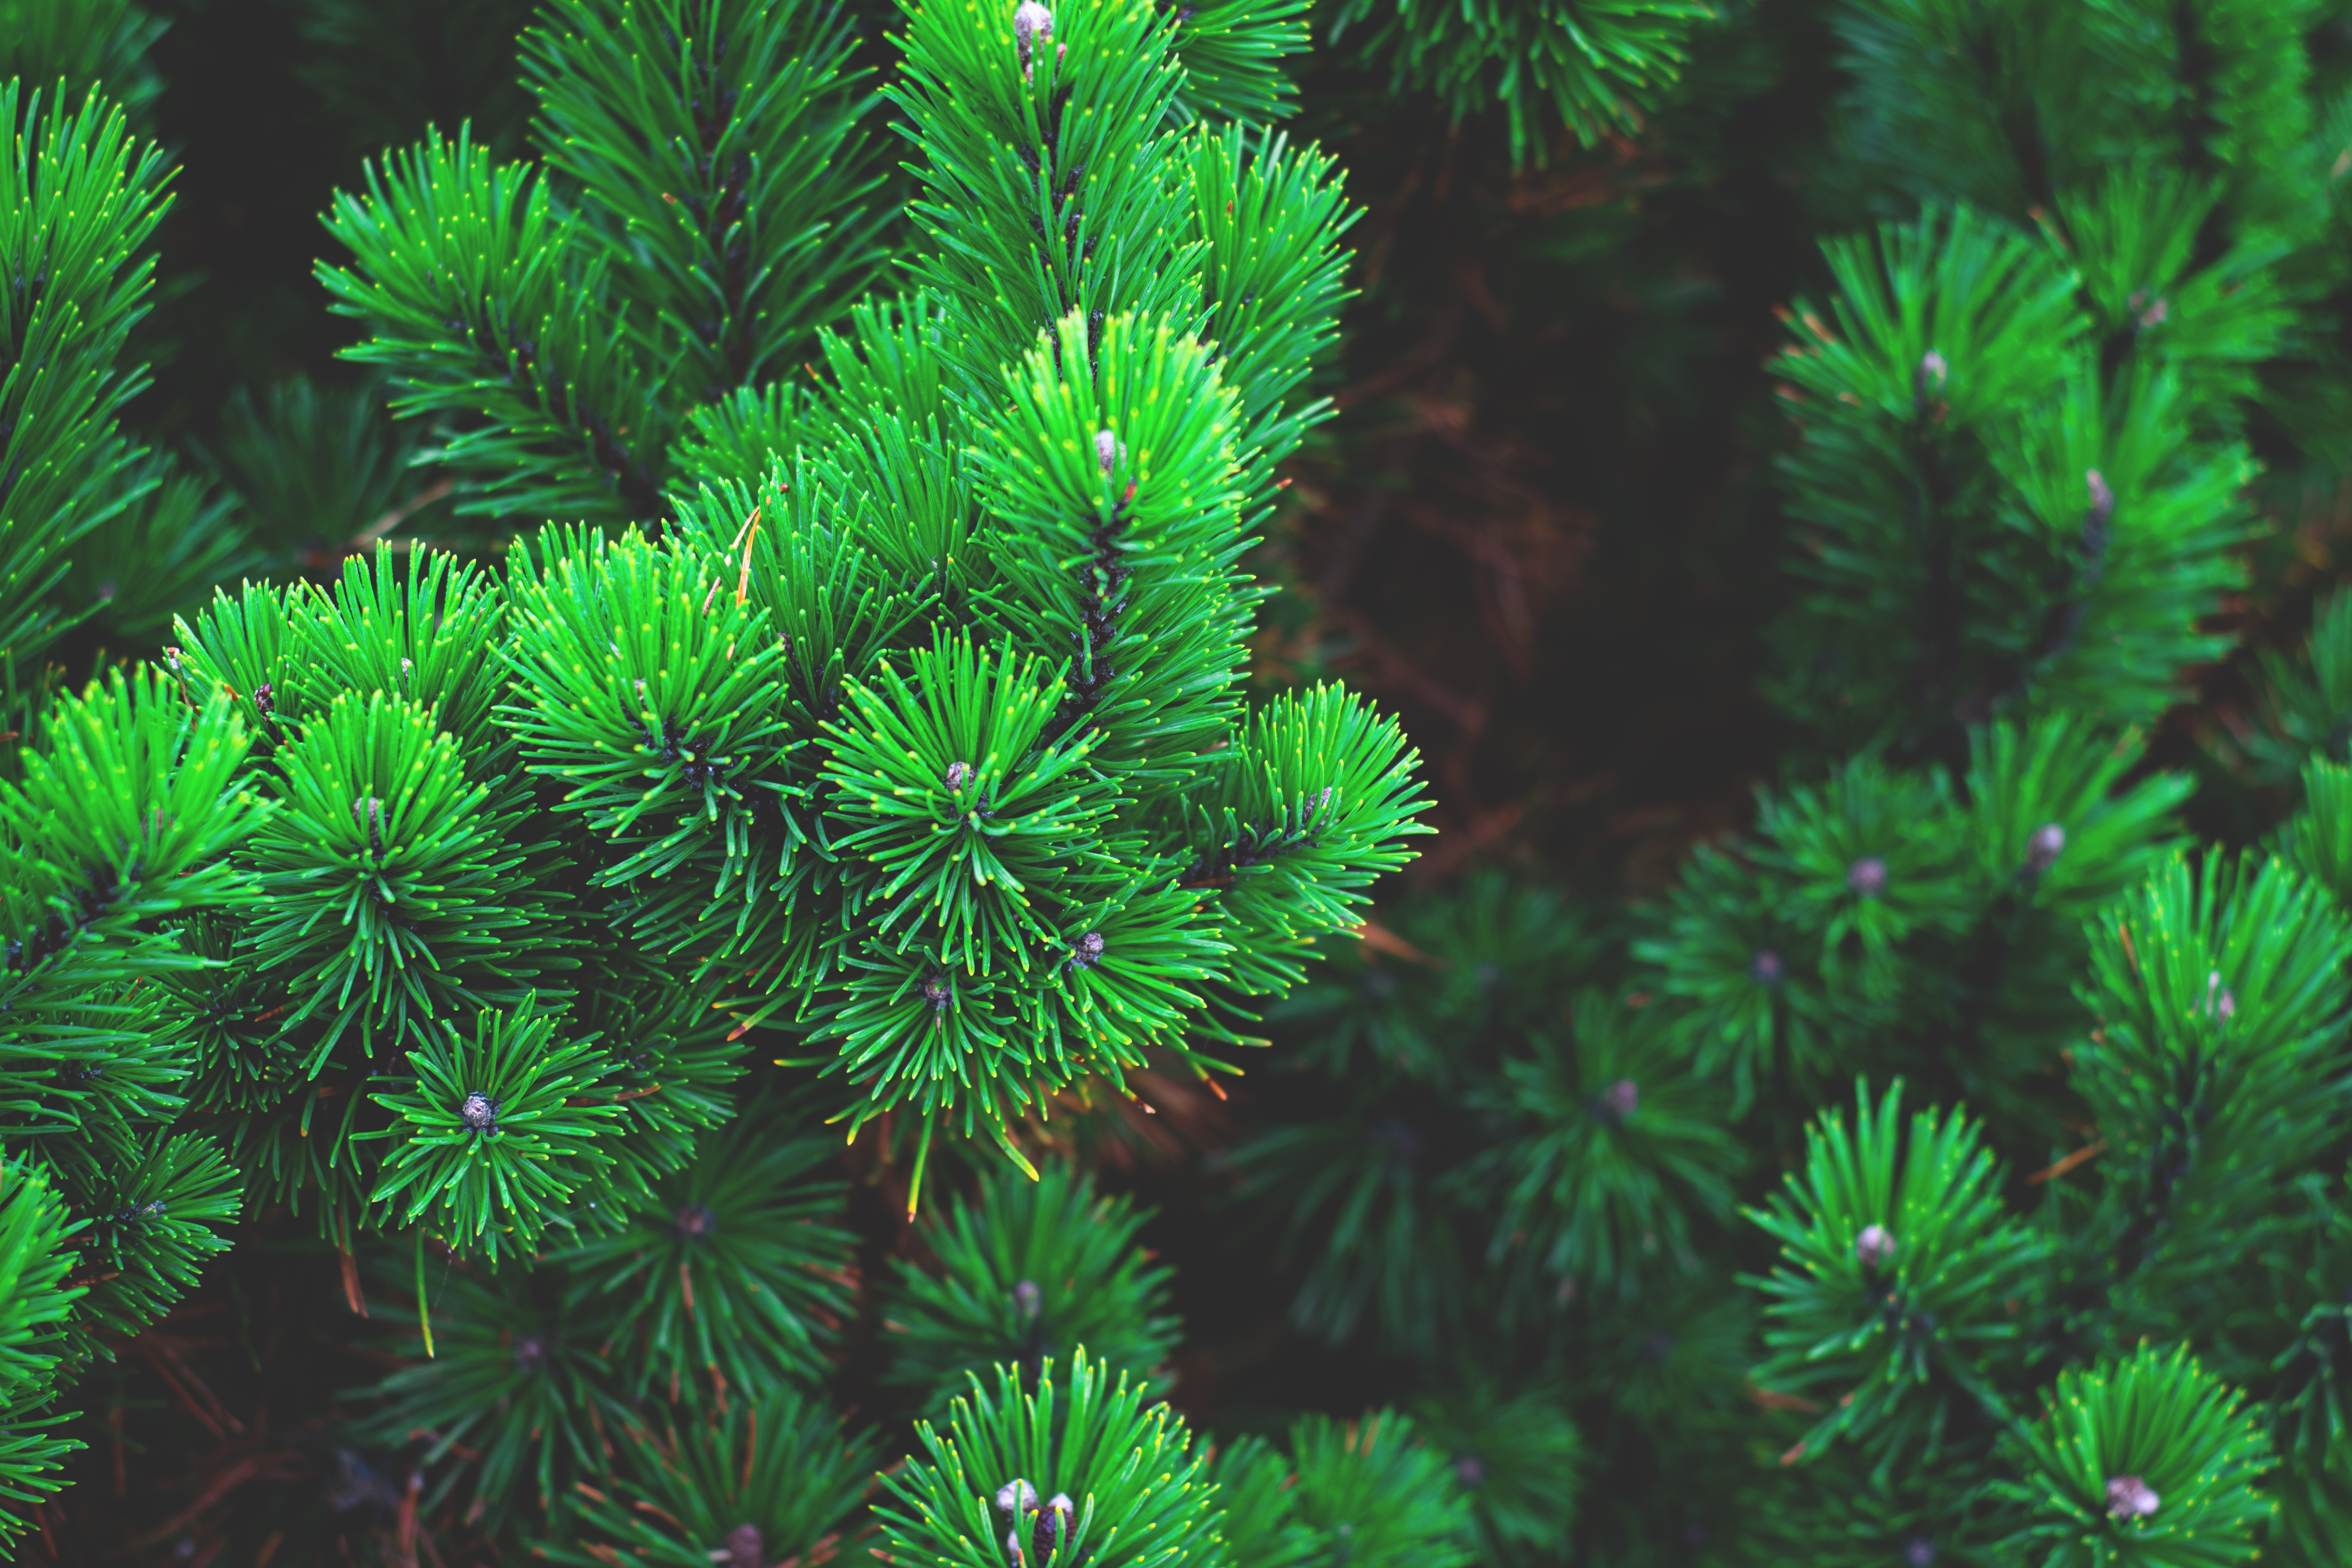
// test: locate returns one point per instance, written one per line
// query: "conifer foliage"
(2047, 1268)
(1984, 904)
(865, 664)
(832, 724)
(117, 824)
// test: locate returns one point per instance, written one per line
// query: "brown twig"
(2052, 1173)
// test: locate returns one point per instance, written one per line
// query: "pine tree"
(832, 715)
(1983, 904)
(2062, 1285)
(120, 808)
(857, 665)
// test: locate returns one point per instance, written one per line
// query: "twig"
(400, 514)
(2052, 1173)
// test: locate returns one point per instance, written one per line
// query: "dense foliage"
(733, 860)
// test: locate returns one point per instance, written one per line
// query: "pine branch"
(720, 148)
(81, 200)
(481, 308)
